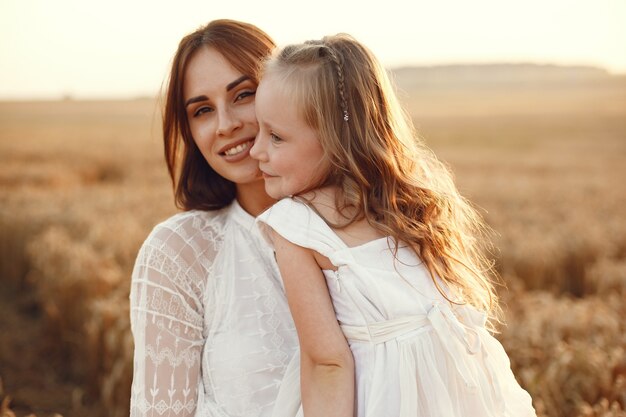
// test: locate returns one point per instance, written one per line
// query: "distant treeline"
(502, 75)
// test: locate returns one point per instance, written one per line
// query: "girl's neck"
(353, 234)
(324, 200)
(253, 198)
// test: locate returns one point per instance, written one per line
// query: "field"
(82, 184)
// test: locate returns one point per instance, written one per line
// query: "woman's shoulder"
(189, 227)
(195, 220)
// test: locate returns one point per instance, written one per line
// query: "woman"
(212, 329)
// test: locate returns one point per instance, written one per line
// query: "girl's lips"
(265, 176)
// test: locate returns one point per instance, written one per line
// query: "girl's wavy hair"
(385, 173)
(196, 184)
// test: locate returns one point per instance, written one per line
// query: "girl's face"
(219, 101)
(289, 151)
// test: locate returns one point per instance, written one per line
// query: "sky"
(122, 48)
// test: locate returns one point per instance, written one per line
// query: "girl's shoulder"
(299, 222)
(351, 227)
(287, 213)
(292, 213)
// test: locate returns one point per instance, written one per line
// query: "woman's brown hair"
(196, 184)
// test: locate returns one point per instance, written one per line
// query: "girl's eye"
(202, 110)
(274, 138)
(244, 94)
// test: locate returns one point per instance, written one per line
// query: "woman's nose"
(227, 122)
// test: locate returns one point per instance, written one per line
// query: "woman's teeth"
(237, 149)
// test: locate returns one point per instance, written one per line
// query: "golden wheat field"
(82, 183)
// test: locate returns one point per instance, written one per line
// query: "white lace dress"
(415, 355)
(212, 329)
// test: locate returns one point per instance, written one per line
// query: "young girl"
(379, 254)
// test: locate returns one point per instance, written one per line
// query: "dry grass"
(82, 183)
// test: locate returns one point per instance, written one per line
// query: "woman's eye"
(202, 110)
(274, 138)
(244, 94)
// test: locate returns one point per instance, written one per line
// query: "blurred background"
(526, 101)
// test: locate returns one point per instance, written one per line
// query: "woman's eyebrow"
(238, 81)
(229, 87)
(195, 100)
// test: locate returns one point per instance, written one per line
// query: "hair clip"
(345, 116)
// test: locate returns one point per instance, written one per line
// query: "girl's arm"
(327, 365)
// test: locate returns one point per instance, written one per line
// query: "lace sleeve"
(167, 313)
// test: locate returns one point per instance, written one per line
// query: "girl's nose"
(258, 150)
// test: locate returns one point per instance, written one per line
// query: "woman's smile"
(236, 151)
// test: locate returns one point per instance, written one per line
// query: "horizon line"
(156, 95)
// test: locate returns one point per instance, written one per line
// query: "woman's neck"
(253, 198)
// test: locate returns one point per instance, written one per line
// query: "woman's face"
(219, 101)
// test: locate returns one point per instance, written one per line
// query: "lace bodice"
(212, 329)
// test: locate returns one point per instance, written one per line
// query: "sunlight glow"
(83, 48)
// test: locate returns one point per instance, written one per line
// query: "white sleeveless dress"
(415, 354)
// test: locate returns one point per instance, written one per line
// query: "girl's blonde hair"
(386, 174)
